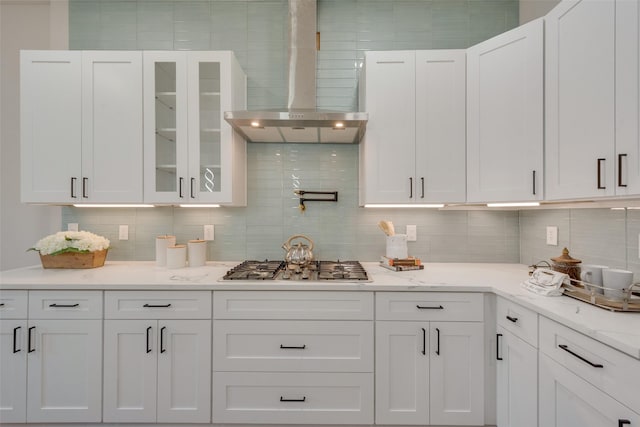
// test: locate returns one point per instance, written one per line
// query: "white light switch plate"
(208, 232)
(72, 226)
(412, 233)
(123, 232)
(552, 235)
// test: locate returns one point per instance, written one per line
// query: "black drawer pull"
(438, 343)
(600, 186)
(29, 349)
(15, 339)
(623, 422)
(422, 307)
(424, 341)
(148, 340)
(157, 305)
(282, 399)
(565, 348)
(620, 157)
(64, 305)
(85, 185)
(513, 319)
(162, 349)
(498, 347)
(293, 347)
(1, 304)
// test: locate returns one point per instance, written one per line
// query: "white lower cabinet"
(300, 357)
(155, 369)
(13, 371)
(566, 400)
(517, 381)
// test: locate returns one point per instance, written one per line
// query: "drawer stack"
(293, 357)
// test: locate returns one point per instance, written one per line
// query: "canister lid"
(565, 258)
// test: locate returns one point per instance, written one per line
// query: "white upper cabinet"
(81, 126)
(191, 154)
(505, 88)
(580, 99)
(413, 150)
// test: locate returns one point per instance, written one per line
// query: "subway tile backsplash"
(256, 30)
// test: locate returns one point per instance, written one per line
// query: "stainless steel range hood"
(301, 122)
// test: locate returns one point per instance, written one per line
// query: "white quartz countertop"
(619, 330)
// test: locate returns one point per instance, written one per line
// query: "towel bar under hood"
(301, 122)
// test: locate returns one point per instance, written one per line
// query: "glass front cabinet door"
(191, 154)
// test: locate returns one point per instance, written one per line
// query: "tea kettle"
(298, 254)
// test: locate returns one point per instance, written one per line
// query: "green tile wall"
(257, 32)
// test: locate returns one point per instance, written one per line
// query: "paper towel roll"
(176, 256)
(197, 253)
(162, 243)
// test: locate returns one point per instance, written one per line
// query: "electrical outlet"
(412, 233)
(123, 232)
(208, 232)
(552, 235)
(72, 226)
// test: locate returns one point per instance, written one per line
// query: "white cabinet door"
(130, 370)
(440, 126)
(580, 65)
(456, 373)
(402, 373)
(50, 126)
(191, 154)
(517, 381)
(387, 151)
(13, 371)
(627, 179)
(184, 371)
(111, 126)
(505, 116)
(566, 400)
(65, 371)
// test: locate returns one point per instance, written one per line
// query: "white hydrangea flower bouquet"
(72, 249)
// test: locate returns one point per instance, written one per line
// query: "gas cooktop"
(316, 271)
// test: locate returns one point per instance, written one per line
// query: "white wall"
(532, 9)
(24, 24)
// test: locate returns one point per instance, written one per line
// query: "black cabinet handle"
(534, 183)
(438, 342)
(73, 187)
(304, 399)
(302, 347)
(1, 304)
(162, 349)
(498, 347)
(422, 183)
(513, 319)
(411, 187)
(424, 341)
(148, 340)
(85, 184)
(422, 307)
(157, 305)
(29, 349)
(620, 157)
(15, 339)
(600, 186)
(623, 422)
(193, 181)
(64, 305)
(566, 348)
(180, 182)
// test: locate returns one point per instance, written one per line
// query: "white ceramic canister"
(397, 246)
(162, 243)
(177, 256)
(197, 253)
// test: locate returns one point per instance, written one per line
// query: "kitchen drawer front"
(303, 305)
(292, 398)
(518, 320)
(157, 305)
(445, 306)
(13, 304)
(65, 304)
(619, 375)
(298, 346)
